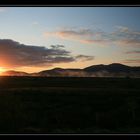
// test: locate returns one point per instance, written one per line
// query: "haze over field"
(34, 39)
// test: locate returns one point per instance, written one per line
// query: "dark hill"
(114, 67)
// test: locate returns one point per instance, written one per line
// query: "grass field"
(37, 105)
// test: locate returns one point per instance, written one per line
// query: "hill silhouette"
(101, 70)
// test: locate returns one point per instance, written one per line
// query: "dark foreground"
(69, 105)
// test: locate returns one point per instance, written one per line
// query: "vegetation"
(69, 105)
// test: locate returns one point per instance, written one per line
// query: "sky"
(40, 38)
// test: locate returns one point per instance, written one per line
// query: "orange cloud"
(123, 36)
(132, 61)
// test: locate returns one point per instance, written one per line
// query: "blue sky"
(109, 34)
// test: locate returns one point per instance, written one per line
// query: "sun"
(1, 70)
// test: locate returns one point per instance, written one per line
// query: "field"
(39, 105)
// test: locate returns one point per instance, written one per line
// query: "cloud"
(84, 57)
(82, 35)
(132, 61)
(126, 37)
(133, 52)
(15, 54)
(122, 36)
(75, 33)
(57, 46)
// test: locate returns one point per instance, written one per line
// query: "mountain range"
(111, 70)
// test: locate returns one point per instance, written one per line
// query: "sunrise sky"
(40, 38)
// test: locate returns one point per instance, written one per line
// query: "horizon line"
(64, 68)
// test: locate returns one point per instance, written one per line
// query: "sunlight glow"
(1, 70)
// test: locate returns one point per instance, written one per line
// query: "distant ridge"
(101, 70)
(114, 67)
(15, 73)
